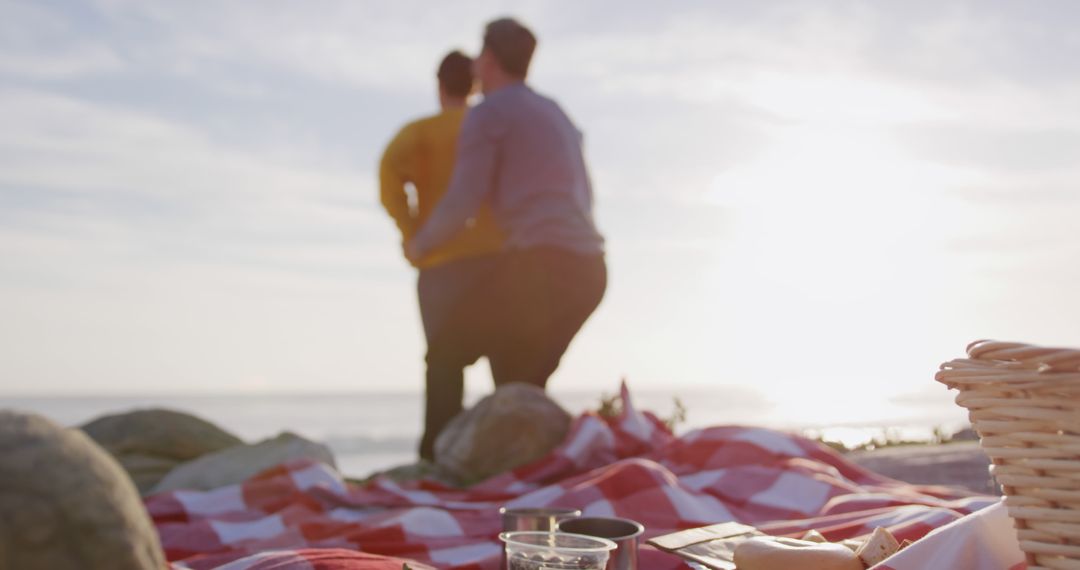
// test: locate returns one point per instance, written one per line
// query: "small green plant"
(940, 436)
(611, 406)
(678, 415)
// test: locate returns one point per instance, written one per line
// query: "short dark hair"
(455, 74)
(512, 44)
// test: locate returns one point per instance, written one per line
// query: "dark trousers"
(544, 296)
(450, 304)
(520, 308)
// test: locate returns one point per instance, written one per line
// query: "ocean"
(374, 431)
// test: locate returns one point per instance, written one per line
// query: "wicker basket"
(1024, 401)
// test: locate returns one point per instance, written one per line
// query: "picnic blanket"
(630, 465)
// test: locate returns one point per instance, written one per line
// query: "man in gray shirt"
(519, 153)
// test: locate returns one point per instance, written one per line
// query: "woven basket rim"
(1024, 402)
(1029, 355)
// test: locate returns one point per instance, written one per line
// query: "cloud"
(131, 193)
(362, 45)
(1022, 151)
(976, 43)
(63, 63)
(38, 43)
(140, 253)
(66, 144)
(199, 175)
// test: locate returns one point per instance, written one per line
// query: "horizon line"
(317, 392)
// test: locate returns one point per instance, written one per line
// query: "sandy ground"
(957, 464)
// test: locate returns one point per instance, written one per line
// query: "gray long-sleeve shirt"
(521, 153)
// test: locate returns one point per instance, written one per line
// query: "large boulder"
(150, 443)
(518, 424)
(65, 503)
(238, 463)
(146, 470)
(159, 433)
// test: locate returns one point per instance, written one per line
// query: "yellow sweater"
(422, 154)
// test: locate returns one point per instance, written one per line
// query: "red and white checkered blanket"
(630, 466)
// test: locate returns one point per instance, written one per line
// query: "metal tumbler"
(530, 519)
(623, 532)
(545, 519)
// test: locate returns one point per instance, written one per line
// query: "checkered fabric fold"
(630, 466)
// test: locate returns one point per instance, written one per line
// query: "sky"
(808, 205)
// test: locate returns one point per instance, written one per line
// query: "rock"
(65, 503)
(410, 472)
(146, 470)
(159, 433)
(150, 443)
(518, 424)
(236, 464)
(966, 434)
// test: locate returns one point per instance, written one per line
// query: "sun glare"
(834, 215)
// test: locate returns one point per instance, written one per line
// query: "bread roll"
(814, 536)
(771, 553)
(881, 545)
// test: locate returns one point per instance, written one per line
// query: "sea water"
(374, 431)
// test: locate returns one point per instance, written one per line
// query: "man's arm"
(472, 183)
(395, 171)
(585, 169)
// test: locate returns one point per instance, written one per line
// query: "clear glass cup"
(536, 550)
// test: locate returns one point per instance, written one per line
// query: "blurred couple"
(495, 209)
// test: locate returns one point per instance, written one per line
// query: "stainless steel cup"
(623, 532)
(545, 519)
(540, 519)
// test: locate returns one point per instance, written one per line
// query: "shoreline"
(371, 433)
